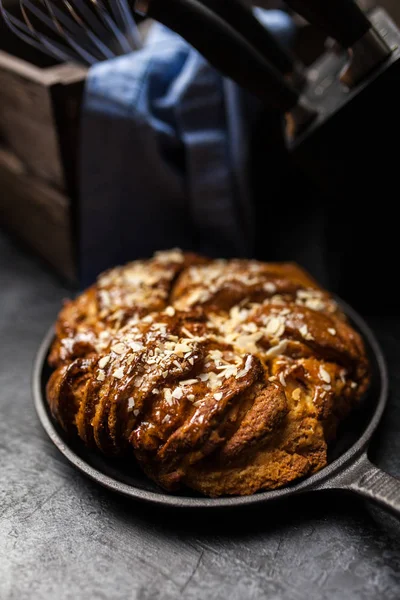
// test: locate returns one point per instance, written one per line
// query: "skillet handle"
(369, 481)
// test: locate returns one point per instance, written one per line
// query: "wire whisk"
(83, 31)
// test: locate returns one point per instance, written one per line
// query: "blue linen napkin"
(164, 147)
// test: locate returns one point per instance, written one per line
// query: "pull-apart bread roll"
(227, 376)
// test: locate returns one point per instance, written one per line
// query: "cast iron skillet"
(348, 467)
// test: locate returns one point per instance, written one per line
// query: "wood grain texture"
(39, 133)
(28, 114)
(36, 212)
(27, 126)
(63, 537)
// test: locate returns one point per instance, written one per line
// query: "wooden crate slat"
(27, 113)
(39, 121)
(38, 214)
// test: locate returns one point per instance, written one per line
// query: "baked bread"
(225, 376)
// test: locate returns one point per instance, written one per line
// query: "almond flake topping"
(181, 348)
(277, 300)
(303, 330)
(119, 373)
(187, 332)
(324, 375)
(198, 295)
(269, 287)
(214, 381)
(168, 396)
(228, 370)
(246, 368)
(332, 331)
(248, 342)
(104, 361)
(311, 299)
(165, 256)
(282, 379)
(215, 354)
(118, 348)
(101, 376)
(170, 311)
(250, 327)
(218, 396)
(277, 350)
(305, 333)
(204, 376)
(136, 346)
(177, 393)
(275, 327)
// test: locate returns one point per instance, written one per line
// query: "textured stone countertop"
(62, 537)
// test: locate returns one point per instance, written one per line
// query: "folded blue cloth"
(164, 148)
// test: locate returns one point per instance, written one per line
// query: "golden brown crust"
(226, 376)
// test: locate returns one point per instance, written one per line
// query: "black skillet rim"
(164, 499)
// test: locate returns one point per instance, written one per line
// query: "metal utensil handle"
(224, 48)
(342, 20)
(369, 481)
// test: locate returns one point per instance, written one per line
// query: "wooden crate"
(39, 128)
